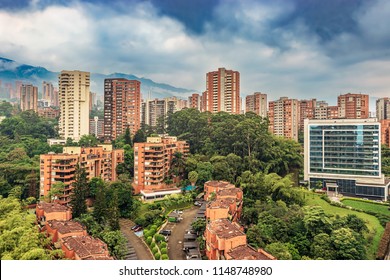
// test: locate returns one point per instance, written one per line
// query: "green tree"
(348, 244)
(56, 191)
(79, 195)
(127, 137)
(88, 141)
(279, 250)
(193, 177)
(321, 248)
(100, 209)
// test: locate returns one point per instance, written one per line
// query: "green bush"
(153, 244)
(163, 245)
(164, 257)
(157, 256)
(163, 251)
(154, 227)
(159, 238)
(149, 240)
(154, 250)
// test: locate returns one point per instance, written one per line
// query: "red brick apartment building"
(52, 211)
(85, 248)
(257, 103)
(227, 204)
(222, 92)
(122, 107)
(353, 106)
(195, 101)
(100, 161)
(284, 116)
(152, 161)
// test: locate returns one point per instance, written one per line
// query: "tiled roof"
(87, 247)
(224, 229)
(53, 207)
(64, 227)
(244, 252)
(221, 203)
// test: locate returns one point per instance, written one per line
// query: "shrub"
(163, 251)
(163, 245)
(159, 238)
(149, 240)
(153, 227)
(164, 257)
(152, 232)
(154, 250)
(157, 256)
(153, 244)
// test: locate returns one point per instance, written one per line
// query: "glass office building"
(345, 154)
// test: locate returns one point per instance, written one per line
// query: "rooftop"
(244, 252)
(53, 207)
(219, 184)
(231, 191)
(223, 228)
(221, 203)
(87, 247)
(66, 226)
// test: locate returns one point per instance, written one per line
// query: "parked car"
(134, 227)
(197, 203)
(166, 232)
(138, 229)
(178, 212)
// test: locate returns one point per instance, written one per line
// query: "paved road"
(136, 247)
(175, 242)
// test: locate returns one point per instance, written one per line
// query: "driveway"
(135, 243)
(175, 242)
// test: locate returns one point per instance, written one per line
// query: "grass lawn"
(374, 227)
(382, 209)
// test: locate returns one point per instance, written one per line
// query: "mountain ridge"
(11, 71)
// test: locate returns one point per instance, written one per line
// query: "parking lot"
(175, 242)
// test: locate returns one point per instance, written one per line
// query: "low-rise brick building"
(215, 186)
(52, 211)
(221, 236)
(85, 248)
(224, 208)
(245, 252)
(58, 230)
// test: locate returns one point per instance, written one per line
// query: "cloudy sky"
(295, 48)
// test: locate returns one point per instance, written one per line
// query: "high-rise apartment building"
(222, 92)
(195, 101)
(122, 104)
(49, 94)
(152, 162)
(344, 155)
(28, 98)
(283, 117)
(154, 111)
(100, 161)
(353, 106)
(307, 109)
(257, 103)
(74, 104)
(383, 108)
(96, 127)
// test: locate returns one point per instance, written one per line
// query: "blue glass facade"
(344, 149)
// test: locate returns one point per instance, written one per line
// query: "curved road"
(140, 248)
(175, 242)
